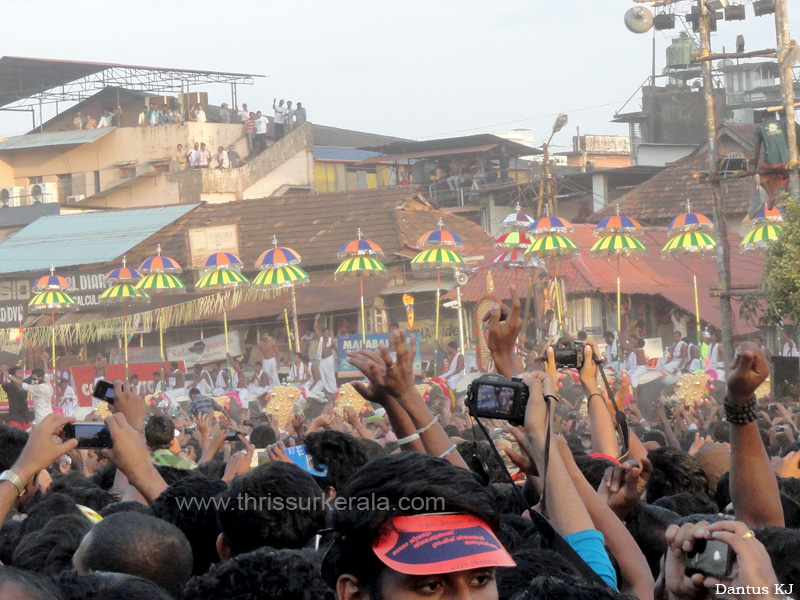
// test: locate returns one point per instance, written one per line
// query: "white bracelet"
(448, 451)
(411, 438)
(429, 425)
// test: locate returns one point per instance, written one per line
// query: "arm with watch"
(750, 465)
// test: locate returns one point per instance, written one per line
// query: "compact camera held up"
(493, 396)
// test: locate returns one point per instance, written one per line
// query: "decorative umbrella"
(161, 282)
(765, 216)
(280, 278)
(123, 274)
(760, 237)
(554, 246)
(692, 243)
(516, 258)
(52, 301)
(513, 239)
(125, 294)
(160, 264)
(689, 221)
(222, 274)
(516, 221)
(277, 256)
(439, 237)
(547, 225)
(361, 266)
(618, 245)
(359, 247)
(617, 224)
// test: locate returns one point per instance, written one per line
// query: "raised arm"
(316, 326)
(604, 436)
(504, 327)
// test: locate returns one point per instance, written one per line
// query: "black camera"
(568, 353)
(493, 396)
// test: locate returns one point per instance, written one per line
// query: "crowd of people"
(411, 496)
(109, 118)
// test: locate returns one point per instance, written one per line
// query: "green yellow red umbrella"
(52, 301)
(360, 266)
(125, 294)
(513, 239)
(691, 243)
(760, 237)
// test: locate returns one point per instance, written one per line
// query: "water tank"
(679, 53)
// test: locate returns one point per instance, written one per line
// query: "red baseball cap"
(432, 544)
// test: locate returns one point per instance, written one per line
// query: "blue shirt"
(203, 404)
(589, 545)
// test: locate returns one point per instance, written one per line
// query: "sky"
(417, 69)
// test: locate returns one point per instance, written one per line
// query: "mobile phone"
(771, 407)
(781, 429)
(104, 390)
(232, 436)
(89, 435)
(711, 558)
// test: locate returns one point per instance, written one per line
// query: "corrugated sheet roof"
(80, 239)
(342, 154)
(55, 138)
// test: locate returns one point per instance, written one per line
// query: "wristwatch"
(16, 480)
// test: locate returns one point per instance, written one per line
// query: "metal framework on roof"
(28, 82)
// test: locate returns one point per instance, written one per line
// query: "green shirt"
(772, 135)
(165, 458)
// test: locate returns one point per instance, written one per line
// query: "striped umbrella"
(279, 278)
(760, 237)
(516, 258)
(439, 238)
(617, 224)
(553, 245)
(765, 216)
(360, 247)
(220, 261)
(689, 221)
(221, 280)
(52, 301)
(160, 264)
(161, 283)
(52, 282)
(513, 239)
(618, 245)
(360, 266)
(516, 221)
(691, 243)
(125, 294)
(548, 225)
(123, 274)
(277, 256)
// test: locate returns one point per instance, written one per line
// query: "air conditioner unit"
(11, 196)
(42, 193)
(74, 199)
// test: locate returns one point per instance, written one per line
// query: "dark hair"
(593, 468)
(12, 441)
(530, 345)
(373, 449)
(49, 550)
(104, 476)
(453, 345)
(582, 335)
(721, 432)
(172, 474)
(675, 471)
(553, 586)
(260, 520)
(198, 523)
(655, 435)
(339, 452)
(212, 468)
(687, 503)
(479, 456)
(35, 586)
(108, 586)
(159, 432)
(280, 574)
(152, 549)
(263, 436)
(531, 563)
(41, 510)
(127, 506)
(82, 490)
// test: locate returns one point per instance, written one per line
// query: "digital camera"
(568, 353)
(492, 396)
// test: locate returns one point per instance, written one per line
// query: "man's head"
(340, 453)
(549, 315)
(156, 375)
(99, 356)
(297, 358)
(159, 432)
(12, 441)
(197, 145)
(609, 337)
(173, 366)
(193, 392)
(180, 147)
(221, 149)
(202, 145)
(153, 549)
(452, 349)
(230, 148)
(299, 105)
(37, 374)
(676, 336)
(582, 336)
(258, 114)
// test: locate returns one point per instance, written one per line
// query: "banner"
(351, 343)
(83, 378)
(448, 332)
(206, 350)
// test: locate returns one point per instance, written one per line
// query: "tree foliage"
(782, 273)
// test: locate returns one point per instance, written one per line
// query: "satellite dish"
(462, 279)
(639, 19)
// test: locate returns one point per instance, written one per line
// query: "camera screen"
(495, 399)
(91, 435)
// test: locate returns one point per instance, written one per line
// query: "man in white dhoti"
(259, 383)
(678, 355)
(456, 371)
(268, 355)
(716, 359)
(636, 363)
(612, 349)
(327, 364)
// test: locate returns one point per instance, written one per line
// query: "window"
(97, 182)
(32, 180)
(127, 172)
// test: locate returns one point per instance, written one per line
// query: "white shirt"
(790, 349)
(262, 123)
(244, 115)
(714, 356)
(552, 330)
(280, 115)
(69, 401)
(193, 156)
(222, 157)
(201, 116)
(105, 121)
(203, 158)
(42, 399)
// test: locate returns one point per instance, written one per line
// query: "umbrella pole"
(227, 346)
(53, 361)
(125, 338)
(559, 307)
(436, 326)
(363, 314)
(619, 318)
(294, 319)
(696, 302)
(460, 324)
(288, 329)
(161, 337)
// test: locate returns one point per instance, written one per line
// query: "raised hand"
(749, 370)
(622, 486)
(504, 326)
(41, 450)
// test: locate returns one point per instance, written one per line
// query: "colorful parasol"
(52, 282)
(692, 243)
(553, 245)
(618, 245)
(548, 225)
(160, 283)
(123, 274)
(223, 275)
(280, 278)
(360, 266)
(160, 264)
(513, 239)
(765, 216)
(277, 256)
(516, 259)
(760, 237)
(516, 221)
(617, 224)
(127, 295)
(689, 221)
(52, 301)
(360, 247)
(439, 238)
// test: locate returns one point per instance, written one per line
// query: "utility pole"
(787, 91)
(718, 216)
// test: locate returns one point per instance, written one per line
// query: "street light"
(544, 183)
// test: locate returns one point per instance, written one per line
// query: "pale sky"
(417, 69)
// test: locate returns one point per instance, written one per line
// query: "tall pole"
(545, 175)
(460, 322)
(294, 319)
(720, 227)
(787, 91)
